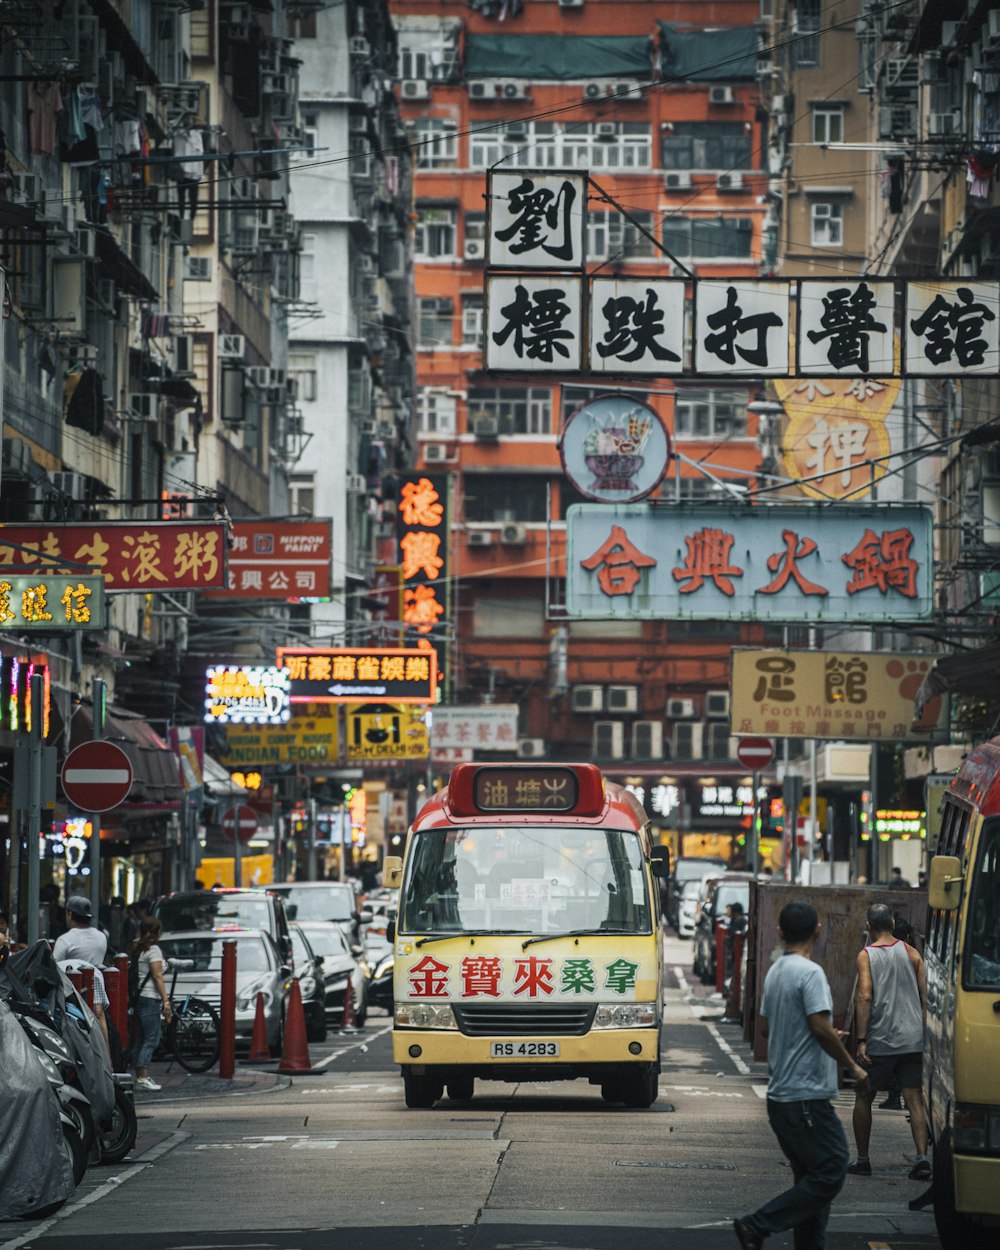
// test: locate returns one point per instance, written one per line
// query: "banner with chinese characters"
(422, 541)
(51, 601)
(492, 727)
(357, 674)
(825, 327)
(145, 555)
(833, 694)
(383, 731)
(768, 563)
(279, 560)
(310, 737)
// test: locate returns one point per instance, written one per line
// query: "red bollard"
(720, 956)
(88, 986)
(113, 989)
(121, 1021)
(227, 1012)
(348, 1024)
(77, 979)
(733, 1002)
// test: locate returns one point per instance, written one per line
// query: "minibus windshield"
(982, 965)
(524, 879)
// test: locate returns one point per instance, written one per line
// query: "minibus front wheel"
(956, 1231)
(421, 1091)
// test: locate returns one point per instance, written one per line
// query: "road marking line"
(344, 1050)
(741, 1067)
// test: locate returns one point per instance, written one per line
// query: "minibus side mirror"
(659, 861)
(392, 872)
(944, 889)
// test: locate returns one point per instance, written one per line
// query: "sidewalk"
(178, 1084)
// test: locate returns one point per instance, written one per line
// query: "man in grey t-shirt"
(803, 1054)
(81, 941)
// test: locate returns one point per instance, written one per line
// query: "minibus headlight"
(625, 1016)
(425, 1016)
(976, 1128)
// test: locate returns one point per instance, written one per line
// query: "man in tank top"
(890, 1008)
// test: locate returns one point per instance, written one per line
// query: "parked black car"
(688, 868)
(340, 966)
(218, 911)
(308, 967)
(731, 887)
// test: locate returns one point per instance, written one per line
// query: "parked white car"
(687, 912)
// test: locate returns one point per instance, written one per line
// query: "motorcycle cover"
(35, 1167)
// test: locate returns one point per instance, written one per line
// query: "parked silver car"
(258, 970)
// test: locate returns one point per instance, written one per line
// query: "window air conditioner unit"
(647, 740)
(677, 181)
(514, 534)
(415, 89)
(515, 130)
(474, 249)
(720, 95)
(257, 376)
(678, 709)
(729, 182)
(436, 453)
(184, 354)
(588, 698)
(231, 346)
(355, 483)
(623, 91)
(530, 748)
(571, 4)
(607, 128)
(593, 90)
(688, 740)
(360, 46)
(717, 703)
(480, 538)
(482, 89)
(367, 429)
(86, 241)
(276, 378)
(198, 268)
(514, 90)
(608, 741)
(72, 484)
(623, 698)
(486, 427)
(143, 406)
(941, 124)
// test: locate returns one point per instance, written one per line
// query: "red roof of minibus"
(620, 807)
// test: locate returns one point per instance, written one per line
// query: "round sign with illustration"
(615, 449)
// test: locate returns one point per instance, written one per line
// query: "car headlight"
(246, 1000)
(384, 966)
(308, 986)
(625, 1016)
(425, 1016)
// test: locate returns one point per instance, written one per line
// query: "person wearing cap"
(81, 940)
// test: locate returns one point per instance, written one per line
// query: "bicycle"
(193, 1033)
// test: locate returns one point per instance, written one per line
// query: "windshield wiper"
(551, 937)
(471, 933)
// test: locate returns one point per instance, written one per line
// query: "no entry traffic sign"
(247, 818)
(755, 753)
(97, 776)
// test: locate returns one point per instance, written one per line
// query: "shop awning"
(156, 785)
(969, 672)
(119, 265)
(726, 54)
(218, 783)
(558, 57)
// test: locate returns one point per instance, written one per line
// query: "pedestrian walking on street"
(81, 939)
(889, 1013)
(154, 1002)
(804, 1055)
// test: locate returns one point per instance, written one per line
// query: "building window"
(436, 143)
(517, 410)
(707, 145)
(701, 489)
(717, 740)
(710, 414)
(596, 145)
(472, 321)
(508, 617)
(827, 221)
(610, 236)
(359, 389)
(828, 125)
(302, 368)
(307, 269)
(435, 412)
(302, 494)
(474, 227)
(708, 238)
(434, 238)
(805, 44)
(310, 137)
(434, 317)
(502, 497)
(429, 51)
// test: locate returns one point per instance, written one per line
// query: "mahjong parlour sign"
(360, 674)
(615, 449)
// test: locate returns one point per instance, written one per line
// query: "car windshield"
(214, 911)
(523, 879)
(734, 892)
(328, 940)
(251, 952)
(982, 967)
(333, 902)
(691, 889)
(694, 869)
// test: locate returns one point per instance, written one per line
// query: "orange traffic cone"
(258, 1040)
(347, 1024)
(295, 1051)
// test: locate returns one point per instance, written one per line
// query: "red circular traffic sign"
(97, 776)
(755, 753)
(247, 818)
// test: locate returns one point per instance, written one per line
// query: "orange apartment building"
(667, 120)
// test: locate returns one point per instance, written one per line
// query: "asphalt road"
(526, 1167)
